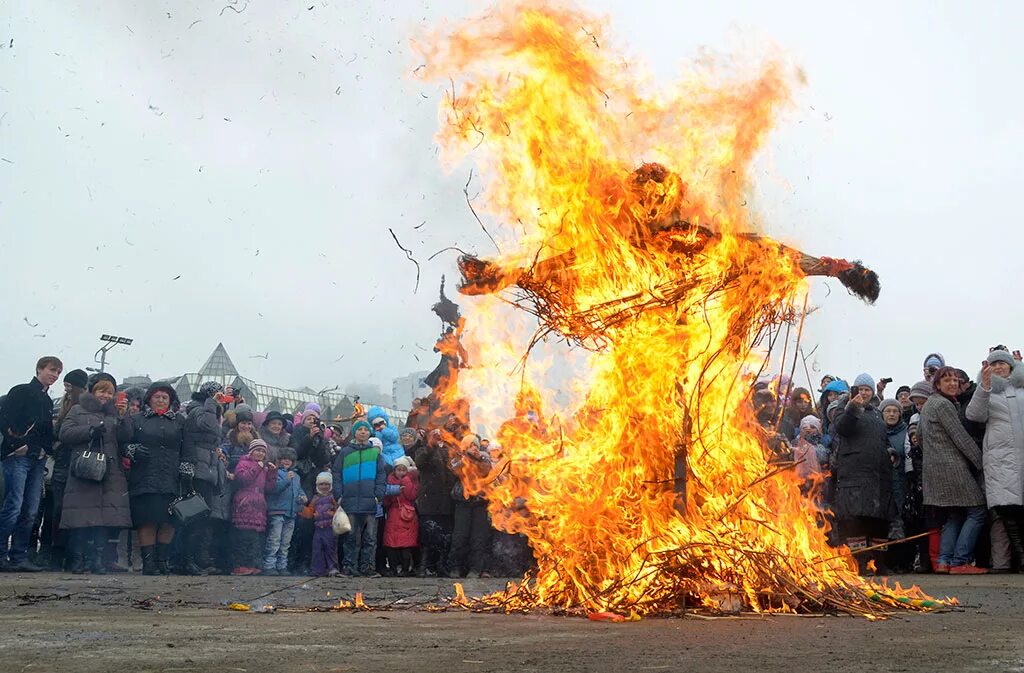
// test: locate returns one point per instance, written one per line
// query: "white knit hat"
(324, 478)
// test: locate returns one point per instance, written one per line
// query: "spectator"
(272, 431)
(434, 505)
(161, 469)
(92, 508)
(325, 542)
(808, 453)
(799, 406)
(913, 505)
(1000, 558)
(359, 480)
(950, 471)
(283, 505)
(863, 501)
(75, 383)
(999, 403)
(830, 394)
(135, 400)
(906, 406)
(900, 555)
(312, 457)
(254, 477)
(919, 394)
(401, 537)
(26, 421)
(932, 363)
(202, 441)
(236, 442)
(471, 526)
(410, 440)
(963, 398)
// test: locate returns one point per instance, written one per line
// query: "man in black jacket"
(26, 421)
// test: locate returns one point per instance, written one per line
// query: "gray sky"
(260, 158)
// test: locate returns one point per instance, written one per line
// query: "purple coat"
(249, 506)
(324, 507)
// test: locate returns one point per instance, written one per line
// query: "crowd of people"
(910, 483)
(209, 487)
(929, 480)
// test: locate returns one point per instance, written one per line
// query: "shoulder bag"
(91, 464)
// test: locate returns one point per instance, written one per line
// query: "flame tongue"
(557, 124)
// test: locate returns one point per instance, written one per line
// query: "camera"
(886, 381)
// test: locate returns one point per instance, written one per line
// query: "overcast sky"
(185, 173)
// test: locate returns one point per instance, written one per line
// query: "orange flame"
(556, 123)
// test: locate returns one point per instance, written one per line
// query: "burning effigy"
(622, 224)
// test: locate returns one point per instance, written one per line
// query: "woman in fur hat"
(999, 403)
(161, 469)
(91, 508)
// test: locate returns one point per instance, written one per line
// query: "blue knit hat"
(864, 380)
(837, 386)
(361, 424)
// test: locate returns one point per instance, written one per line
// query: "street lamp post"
(101, 354)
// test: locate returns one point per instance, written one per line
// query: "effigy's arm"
(480, 276)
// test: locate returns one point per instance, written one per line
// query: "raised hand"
(986, 376)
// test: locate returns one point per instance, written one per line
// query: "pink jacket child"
(254, 478)
(402, 530)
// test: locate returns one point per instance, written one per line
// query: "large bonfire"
(621, 221)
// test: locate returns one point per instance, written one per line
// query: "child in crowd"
(809, 453)
(254, 477)
(401, 534)
(325, 542)
(283, 505)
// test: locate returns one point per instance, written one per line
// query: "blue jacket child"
(287, 498)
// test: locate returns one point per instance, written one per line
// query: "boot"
(163, 558)
(44, 557)
(76, 562)
(110, 558)
(934, 540)
(195, 550)
(99, 543)
(58, 556)
(1016, 541)
(149, 562)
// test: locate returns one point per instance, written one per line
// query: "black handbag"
(188, 508)
(90, 464)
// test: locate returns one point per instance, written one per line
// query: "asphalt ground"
(61, 622)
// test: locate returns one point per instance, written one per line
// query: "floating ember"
(655, 272)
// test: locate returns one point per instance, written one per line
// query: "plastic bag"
(340, 523)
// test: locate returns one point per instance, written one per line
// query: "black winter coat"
(164, 438)
(26, 418)
(313, 456)
(436, 481)
(862, 465)
(202, 439)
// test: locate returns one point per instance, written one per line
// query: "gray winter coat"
(952, 461)
(862, 465)
(274, 443)
(1001, 409)
(202, 439)
(90, 503)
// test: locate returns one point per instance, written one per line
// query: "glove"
(136, 453)
(96, 431)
